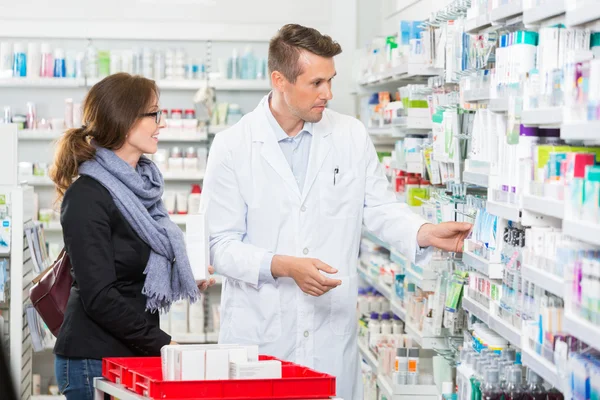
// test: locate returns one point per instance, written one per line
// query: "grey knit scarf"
(137, 194)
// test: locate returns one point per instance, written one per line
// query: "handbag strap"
(44, 272)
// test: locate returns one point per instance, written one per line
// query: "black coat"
(105, 315)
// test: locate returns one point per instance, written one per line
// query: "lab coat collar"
(271, 152)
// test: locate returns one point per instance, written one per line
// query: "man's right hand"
(305, 272)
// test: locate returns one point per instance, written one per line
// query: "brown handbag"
(50, 292)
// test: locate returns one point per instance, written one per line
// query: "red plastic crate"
(116, 370)
(144, 376)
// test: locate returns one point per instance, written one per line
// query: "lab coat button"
(305, 333)
(305, 251)
(303, 209)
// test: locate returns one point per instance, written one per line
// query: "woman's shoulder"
(86, 192)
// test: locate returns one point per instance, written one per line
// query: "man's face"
(307, 98)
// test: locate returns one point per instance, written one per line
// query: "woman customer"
(128, 258)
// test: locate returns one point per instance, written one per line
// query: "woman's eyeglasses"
(156, 114)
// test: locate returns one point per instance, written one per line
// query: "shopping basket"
(144, 376)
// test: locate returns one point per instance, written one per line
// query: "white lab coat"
(254, 205)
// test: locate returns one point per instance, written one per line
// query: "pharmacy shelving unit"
(547, 117)
(21, 276)
(544, 205)
(537, 15)
(423, 339)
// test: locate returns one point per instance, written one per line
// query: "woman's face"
(144, 134)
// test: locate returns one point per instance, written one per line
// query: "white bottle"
(374, 329)
(194, 199)
(91, 61)
(33, 60)
(386, 324)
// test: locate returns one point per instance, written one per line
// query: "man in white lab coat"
(287, 191)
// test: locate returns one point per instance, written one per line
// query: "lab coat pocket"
(342, 195)
(343, 306)
(256, 315)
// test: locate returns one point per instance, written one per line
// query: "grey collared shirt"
(296, 150)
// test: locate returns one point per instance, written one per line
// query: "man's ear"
(278, 81)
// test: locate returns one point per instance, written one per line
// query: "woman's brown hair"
(110, 109)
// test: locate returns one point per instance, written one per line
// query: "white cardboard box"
(252, 351)
(190, 364)
(217, 364)
(197, 243)
(270, 369)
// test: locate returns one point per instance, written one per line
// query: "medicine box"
(197, 243)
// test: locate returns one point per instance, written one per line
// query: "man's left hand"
(448, 236)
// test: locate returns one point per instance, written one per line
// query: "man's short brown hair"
(285, 48)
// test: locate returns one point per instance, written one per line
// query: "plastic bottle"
(60, 64)
(19, 60)
(477, 378)
(233, 67)
(47, 61)
(397, 326)
(194, 199)
(513, 389)
(386, 324)
(534, 390)
(91, 61)
(248, 64)
(374, 329)
(490, 390)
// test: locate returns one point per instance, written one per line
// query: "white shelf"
(547, 281)
(584, 231)
(258, 85)
(499, 105)
(542, 367)
(416, 70)
(179, 135)
(196, 84)
(419, 123)
(385, 387)
(551, 116)
(385, 290)
(40, 134)
(581, 130)
(583, 14)
(476, 178)
(504, 210)
(550, 9)
(385, 131)
(376, 240)
(183, 176)
(507, 11)
(508, 332)
(474, 25)
(582, 330)
(476, 309)
(543, 205)
(388, 77)
(475, 95)
(56, 83)
(47, 397)
(491, 270)
(427, 285)
(37, 180)
(368, 356)
(53, 226)
(505, 330)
